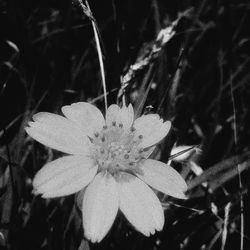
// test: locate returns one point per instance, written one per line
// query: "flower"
(110, 158)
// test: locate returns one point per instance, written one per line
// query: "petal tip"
(183, 197)
(35, 191)
(27, 129)
(65, 108)
(167, 125)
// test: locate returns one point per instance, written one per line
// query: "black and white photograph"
(124, 125)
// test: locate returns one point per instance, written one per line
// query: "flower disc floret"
(116, 149)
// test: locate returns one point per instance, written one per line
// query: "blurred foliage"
(199, 79)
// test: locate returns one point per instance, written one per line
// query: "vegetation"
(194, 73)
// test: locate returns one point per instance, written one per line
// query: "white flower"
(109, 158)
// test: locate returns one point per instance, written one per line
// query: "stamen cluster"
(116, 149)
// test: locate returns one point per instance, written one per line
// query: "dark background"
(199, 80)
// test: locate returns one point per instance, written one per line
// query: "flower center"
(116, 149)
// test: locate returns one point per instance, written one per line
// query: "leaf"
(143, 91)
(222, 172)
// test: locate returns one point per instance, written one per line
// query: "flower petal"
(163, 178)
(88, 117)
(64, 176)
(99, 207)
(127, 116)
(112, 114)
(124, 115)
(57, 132)
(140, 205)
(152, 129)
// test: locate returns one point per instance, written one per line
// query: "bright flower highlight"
(109, 158)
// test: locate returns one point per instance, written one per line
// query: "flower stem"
(88, 13)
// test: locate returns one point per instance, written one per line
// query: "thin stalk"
(12, 180)
(87, 11)
(238, 167)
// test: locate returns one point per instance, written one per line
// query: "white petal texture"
(64, 176)
(57, 132)
(163, 178)
(108, 164)
(86, 115)
(140, 205)
(152, 128)
(100, 206)
(124, 116)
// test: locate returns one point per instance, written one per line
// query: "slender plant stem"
(10, 165)
(101, 64)
(87, 11)
(235, 131)
(238, 168)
